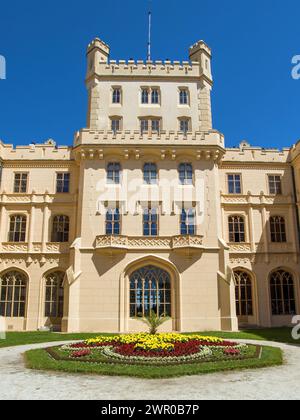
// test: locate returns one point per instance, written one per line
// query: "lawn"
(281, 335)
(40, 360)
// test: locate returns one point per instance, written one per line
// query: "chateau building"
(148, 211)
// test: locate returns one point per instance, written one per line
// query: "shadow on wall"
(273, 268)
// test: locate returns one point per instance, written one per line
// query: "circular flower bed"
(158, 348)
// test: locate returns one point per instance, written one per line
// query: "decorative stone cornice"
(115, 244)
(256, 200)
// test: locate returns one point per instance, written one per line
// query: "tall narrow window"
(20, 183)
(17, 228)
(115, 125)
(13, 287)
(150, 174)
(184, 125)
(236, 229)
(150, 290)
(155, 126)
(278, 231)
(150, 222)
(113, 222)
(114, 173)
(54, 295)
(282, 293)
(275, 187)
(144, 126)
(243, 294)
(184, 97)
(116, 96)
(155, 96)
(145, 96)
(234, 184)
(185, 174)
(60, 229)
(63, 182)
(188, 222)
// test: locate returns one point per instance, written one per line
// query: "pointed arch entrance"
(150, 283)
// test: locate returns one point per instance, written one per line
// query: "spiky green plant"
(154, 321)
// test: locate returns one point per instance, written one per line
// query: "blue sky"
(253, 42)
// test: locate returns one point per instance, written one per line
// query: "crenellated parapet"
(167, 138)
(46, 151)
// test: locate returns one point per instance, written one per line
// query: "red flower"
(83, 353)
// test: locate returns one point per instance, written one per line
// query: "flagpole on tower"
(149, 30)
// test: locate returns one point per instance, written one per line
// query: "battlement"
(246, 153)
(141, 68)
(167, 138)
(46, 151)
(200, 45)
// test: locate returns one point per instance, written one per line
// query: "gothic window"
(282, 293)
(184, 97)
(13, 291)
(243, 293)
(150, 290)
(54, 295)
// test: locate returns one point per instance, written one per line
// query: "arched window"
(54, 295)
(243, 294)
(188, 222)
(236, 225)
(185, 173)
(60, 229)
(150, 173)
(17, 228)
(282, 293)
(155, 96)
(277, 227)
(113, 173)
(13, 287)
(113, 222)
(150, 290)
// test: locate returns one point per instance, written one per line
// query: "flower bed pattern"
(153, 349)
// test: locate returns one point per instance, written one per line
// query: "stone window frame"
(119, 89)
(150, 90)
(282, 284)
(65, 222)
(240, 232)
(234, 183)
(277, 192)
(18, 187)
(185, 89)
(23, 228)
(278, 231)
(56, 299)
(189, 122)
(118, 118)
(240, 275)
(22, 300)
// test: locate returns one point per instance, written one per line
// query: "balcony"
(187, 245)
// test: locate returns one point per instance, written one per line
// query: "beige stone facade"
(148, 209)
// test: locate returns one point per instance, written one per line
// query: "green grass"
(23, 338)
(40, 360)
(281, 335)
